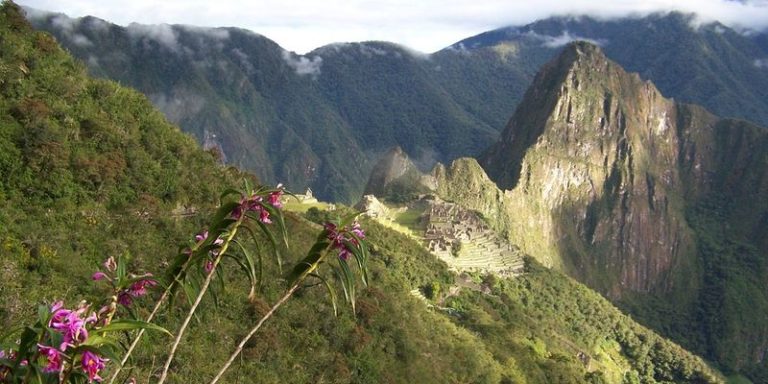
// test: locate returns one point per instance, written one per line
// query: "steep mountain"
(342, 106)
(89, 169)
(708, 64)
(330, 114)
(232, 84)
(657, 204)
(396, 177)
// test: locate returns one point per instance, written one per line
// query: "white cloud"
(215, 33)
(245, 61)
(97, 25)
(425, 25)
(370, 51)
(64, 23)
(81, 40)
(162, 33)
(302, 64)
(761, 63)
(563, 39)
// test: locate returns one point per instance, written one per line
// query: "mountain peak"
(396, 177)
(582, 50)
(587, 135)
(579, 66)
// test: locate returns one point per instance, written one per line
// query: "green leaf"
(349, 219)
(339, 275)
(120, 269)
(43, 314)
(277, 217)
(257, 243)
(348, 280)
(38, 375)
(219, 281)
(310, 262)
(331, 292)
(272, 241)
(28, 340)
(104, 349)
(176, 272)
(95, 340)
(129, 325)
(227, 192)
(222, 218)
(191, 289)
(359, 252)
(127, 282)
(248, 264)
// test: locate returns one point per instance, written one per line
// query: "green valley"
(89, 169)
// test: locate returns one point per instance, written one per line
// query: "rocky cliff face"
(591, 157)
(397, 178)
(636, 195)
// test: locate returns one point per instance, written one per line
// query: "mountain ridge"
(616, 185)
(373, 96)
(91, 170)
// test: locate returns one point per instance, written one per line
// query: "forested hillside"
(91, 170)
(343, 106)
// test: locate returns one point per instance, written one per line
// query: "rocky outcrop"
(635, 195)
(396, 177)
(463, 240)
(590, 163)
(599, 168)
(372, 207)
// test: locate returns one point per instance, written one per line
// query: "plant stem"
(199, 298)
(258, 325)
(151, 316)
(141, 332)
(269, 314)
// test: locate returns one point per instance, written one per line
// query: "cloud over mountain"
(426, 25)
(303, 65)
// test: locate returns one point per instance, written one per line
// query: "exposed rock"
(397, 178)
(590, 160)
(463, 240)
(604, 178)
(372, 207)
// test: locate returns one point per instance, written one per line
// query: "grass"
(304, 207)
(738, 379)
(410, 219)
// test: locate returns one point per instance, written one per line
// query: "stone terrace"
(463, 240)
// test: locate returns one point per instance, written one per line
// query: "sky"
(422, 25)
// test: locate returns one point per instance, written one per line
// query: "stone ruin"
(465, 242)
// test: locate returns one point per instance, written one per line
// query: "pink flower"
(208, 266)
(274, 197)
(201, 236)
(255, 203)
(357, 231)
(264, 216)
(124, 299)
(139, 288)
(92, 364)
(338, 237)
(110, 264)
(53, 356)
(70, 324)
(99, 276)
